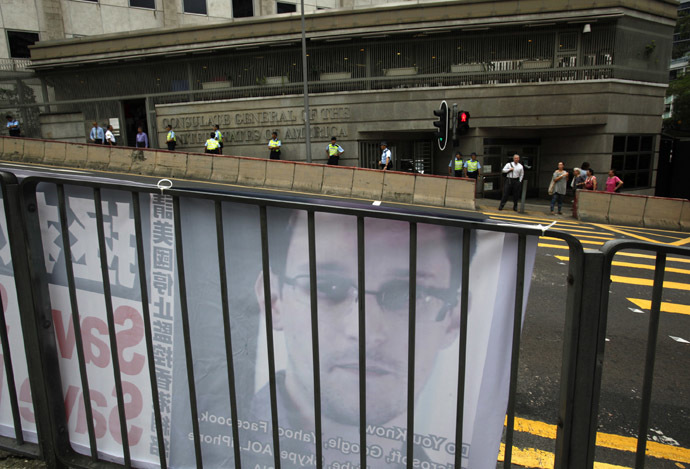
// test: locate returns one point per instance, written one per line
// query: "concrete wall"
(67, 127)
(356, 183)
(633, 210)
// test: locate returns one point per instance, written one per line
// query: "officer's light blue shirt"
(96, 133)
(386, 154)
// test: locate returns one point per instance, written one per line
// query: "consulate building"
(553, 80)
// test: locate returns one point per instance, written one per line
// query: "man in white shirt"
(109, 136)
(513, 183)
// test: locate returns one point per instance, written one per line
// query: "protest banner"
(492, 282)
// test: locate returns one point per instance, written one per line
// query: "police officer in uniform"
(386, 158)
(219, 138)
(170, 138)
(472, 167)
(212, 145)
(13, 126)
(455, 165)
(334, 151)
(274, 146)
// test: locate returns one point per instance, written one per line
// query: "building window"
(286, 7)
(19, 42)
(632, 159)
(143, 4)
(195, 6)
(242, 8)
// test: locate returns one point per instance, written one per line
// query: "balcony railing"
(14, 65)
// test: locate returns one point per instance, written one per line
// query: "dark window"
(242, 8)
(19, 42)
(143, 4)
(195, 6)
(632, 159)
(618, 144)
(286, 7)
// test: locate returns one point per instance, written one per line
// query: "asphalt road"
(542, 340)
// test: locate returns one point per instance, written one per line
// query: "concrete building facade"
(552, 80)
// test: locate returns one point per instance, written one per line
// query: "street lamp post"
(306, 88)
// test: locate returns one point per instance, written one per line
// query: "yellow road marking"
(681, 242)
(649, 267)
(530, 220)
(649, 282)
(630, 264)
(649, 230)
(665, 308)
(607, 440)
(598, 243)
(632, 254)
(650, 256)
(626, 233)
(576, 230)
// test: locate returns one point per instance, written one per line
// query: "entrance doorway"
(134, 111)
(498, 152)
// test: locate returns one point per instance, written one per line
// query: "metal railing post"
(582, 361)
(35, 312)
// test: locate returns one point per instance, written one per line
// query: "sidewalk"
(536, 206)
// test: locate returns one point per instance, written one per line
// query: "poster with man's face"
(284, 292)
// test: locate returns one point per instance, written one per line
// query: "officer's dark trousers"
(511, 186)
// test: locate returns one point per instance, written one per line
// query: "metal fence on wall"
(584, 328)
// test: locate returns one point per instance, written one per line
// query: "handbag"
(551, 187)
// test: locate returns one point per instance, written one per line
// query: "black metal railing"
(585, 322)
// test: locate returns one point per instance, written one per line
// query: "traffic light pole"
(454, 118)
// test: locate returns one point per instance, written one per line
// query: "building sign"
(245, 127)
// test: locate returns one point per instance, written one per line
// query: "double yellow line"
(535, 458)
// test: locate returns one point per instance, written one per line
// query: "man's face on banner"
(387, 310)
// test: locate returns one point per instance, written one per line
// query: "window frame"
(8, 32)
(638, 153)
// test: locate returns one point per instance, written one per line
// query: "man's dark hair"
(584, 166)
(281, 225)
(8, 116)
(212, 134)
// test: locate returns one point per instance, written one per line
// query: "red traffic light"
(463, 117)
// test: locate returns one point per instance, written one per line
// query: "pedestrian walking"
(142, 140)
(514, 172)
(96, 135)
(590, 180)
(472, 167)
(110, 136)
(13, 126)
(274, 147)
(386, 159)
(170, 138)
(219, 138)
(455, 167)
(212, 145)
(334, 151)
(558, 186)
(613, 182)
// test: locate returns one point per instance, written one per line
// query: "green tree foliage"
(680, 90)
(681, 35)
